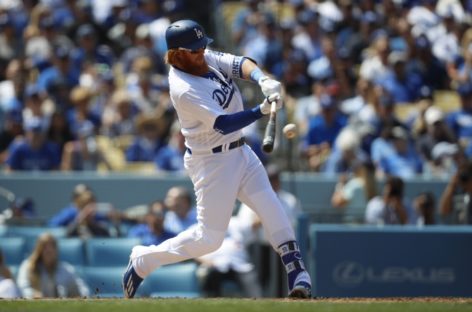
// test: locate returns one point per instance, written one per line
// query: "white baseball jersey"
(200, 100)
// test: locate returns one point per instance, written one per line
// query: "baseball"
(290, 130)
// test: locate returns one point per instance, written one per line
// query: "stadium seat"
(14, 270)
(72, 250)
(31, 235)
(3, 230)
(174, 280)
(109, 252)
(13, 249)
(104, 282)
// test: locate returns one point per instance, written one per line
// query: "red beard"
(193, 68)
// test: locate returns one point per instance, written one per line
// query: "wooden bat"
(269, 135)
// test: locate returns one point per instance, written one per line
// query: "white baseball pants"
(219, 179)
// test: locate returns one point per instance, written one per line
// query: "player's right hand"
(265, 106)
(269, 86)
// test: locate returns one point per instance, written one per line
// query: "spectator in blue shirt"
(61, 69)
(181, 214)
(69, 213)
(265, 47)
(322, 131)
(170, 156)
(246, 22)
(152, 231)
(86, 223)
(81, 112)
(396, 156)
(400, 82)
(89, 50)
(148, 142)
(12, 128)
(34, 151)
(345, 153)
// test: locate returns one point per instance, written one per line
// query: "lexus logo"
(351, 274)
(348, 273)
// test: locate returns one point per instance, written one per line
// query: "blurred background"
(374, 171)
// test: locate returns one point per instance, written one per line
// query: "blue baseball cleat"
(302, 287)
(301, 292)
(131, 281)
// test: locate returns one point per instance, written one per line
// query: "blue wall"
(51, 191)
(391, 261)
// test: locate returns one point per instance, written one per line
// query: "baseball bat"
(269, 135)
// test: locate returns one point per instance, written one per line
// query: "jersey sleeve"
(229, 63)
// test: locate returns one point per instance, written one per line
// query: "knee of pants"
(209, 241)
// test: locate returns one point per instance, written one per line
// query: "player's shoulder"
(213, 56)
(214, 53)
(179, 80)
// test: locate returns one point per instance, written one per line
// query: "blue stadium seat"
(109, 252)
(174, 280)
(31, 234)
(72, 250)
(103, 282)
(3, 230)
(14, 270)
(13, 249)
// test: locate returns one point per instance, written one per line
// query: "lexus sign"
(352, 274)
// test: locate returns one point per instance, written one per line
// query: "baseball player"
(221, 166)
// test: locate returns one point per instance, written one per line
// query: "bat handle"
(273, 108)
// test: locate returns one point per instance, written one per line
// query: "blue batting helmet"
(186, 34)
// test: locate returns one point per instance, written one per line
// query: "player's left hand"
(265, 106)
(269, 86)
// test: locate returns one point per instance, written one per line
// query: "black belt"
(219, 148)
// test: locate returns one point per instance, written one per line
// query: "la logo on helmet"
(199, 33)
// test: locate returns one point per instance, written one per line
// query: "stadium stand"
(182, 277)
(108, 252)
(72, 250)
(13, 249)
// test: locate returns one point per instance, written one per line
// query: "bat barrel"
(269, 137)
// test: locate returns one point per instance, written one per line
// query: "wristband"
(256, 74)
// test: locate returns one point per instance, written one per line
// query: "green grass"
(235, 305)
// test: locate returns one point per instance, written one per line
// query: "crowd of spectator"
(375, 67)
(84, 87)
(379, 90)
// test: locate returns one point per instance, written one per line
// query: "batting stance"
(221, 166)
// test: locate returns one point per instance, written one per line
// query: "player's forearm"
(226, 124)
(250, 70)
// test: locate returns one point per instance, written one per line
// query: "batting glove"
(269, 86)
(265, 106)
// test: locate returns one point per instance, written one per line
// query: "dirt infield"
(396, 299)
